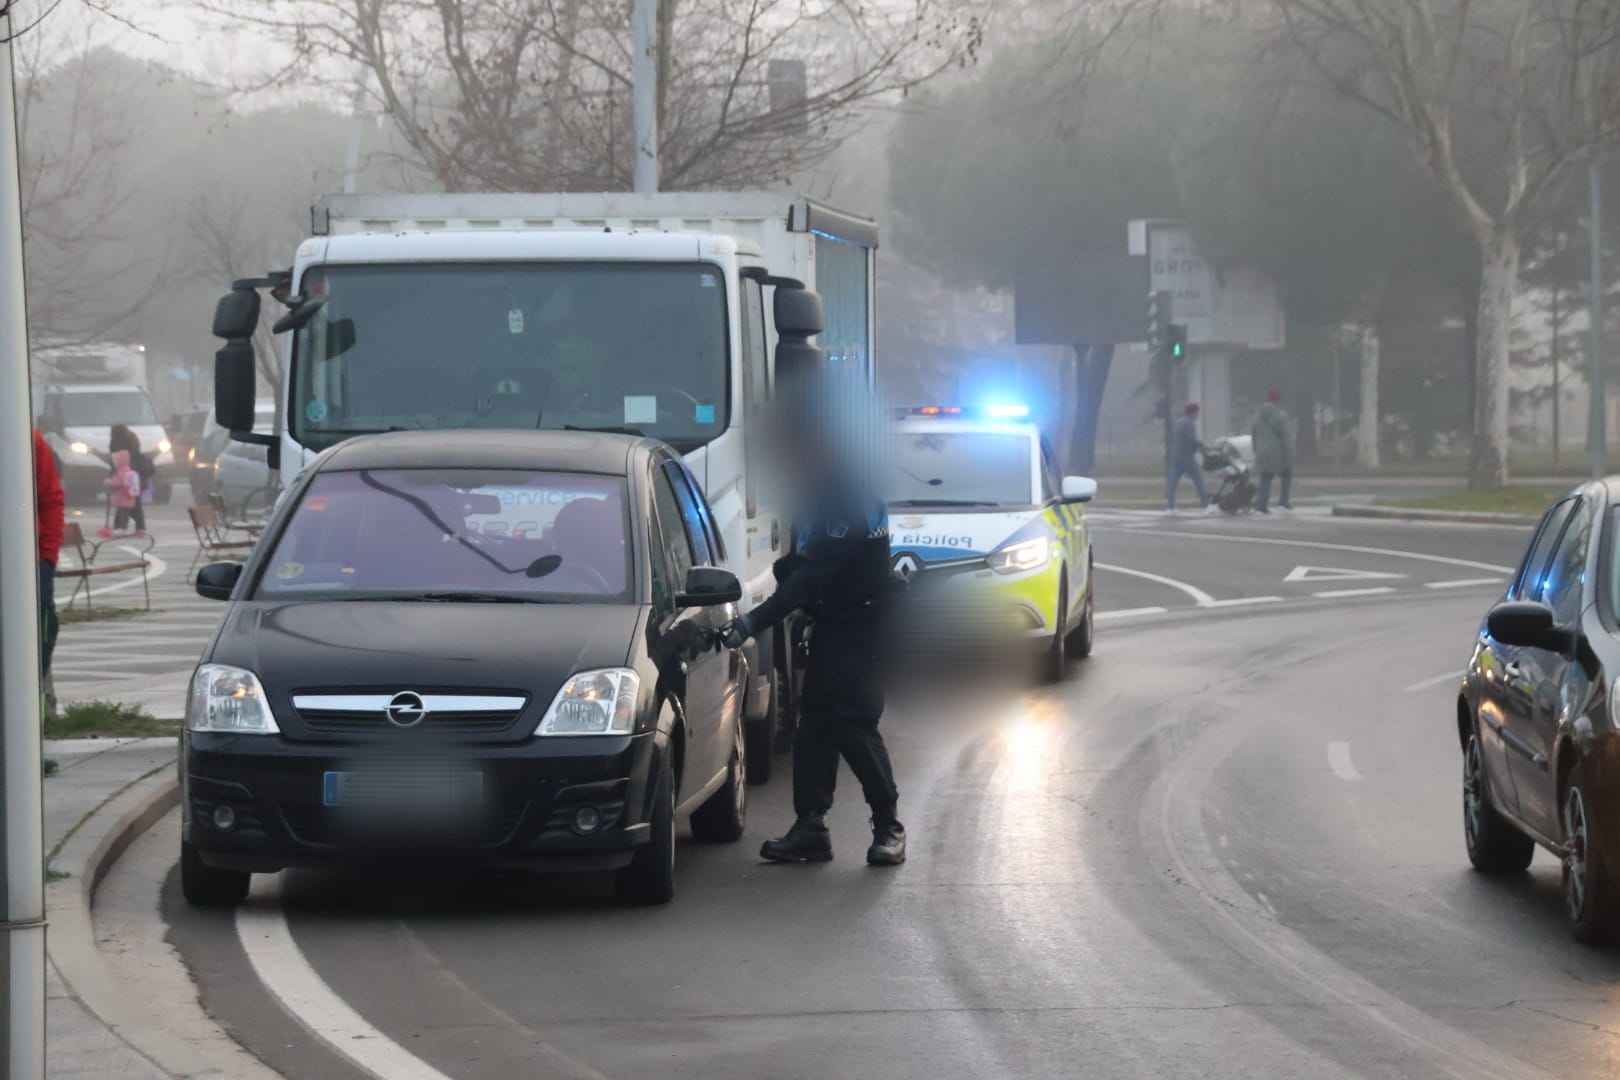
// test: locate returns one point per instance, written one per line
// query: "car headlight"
(229, 699)
(191, 455)
(164, 446)
(79, 447)
(594, 703)
(1016, 558)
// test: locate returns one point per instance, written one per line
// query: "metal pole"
(1597, 438)
(644, 71)
(22, 885)
(351, 159)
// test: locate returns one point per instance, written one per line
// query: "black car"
(493, 649)
(1537, 715)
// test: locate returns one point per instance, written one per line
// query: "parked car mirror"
(217, 581)
(1079, 489)
(1527, 624)
(707, 586)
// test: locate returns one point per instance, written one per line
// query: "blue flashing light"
(1008, 412)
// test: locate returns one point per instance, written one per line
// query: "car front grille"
(363, 713)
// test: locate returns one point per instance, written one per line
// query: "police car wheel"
(1084, 634)
(1056, 657)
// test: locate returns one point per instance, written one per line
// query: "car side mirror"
(217, 581)
(1527, 624)
(1079, 489)
(708, 586)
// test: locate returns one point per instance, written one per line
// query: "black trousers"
(838, 717)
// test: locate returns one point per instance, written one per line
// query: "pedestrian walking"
(1274, 451)
(50, 516)
(838, 574)
(124, 496)
(1185, 448)
(125, 440)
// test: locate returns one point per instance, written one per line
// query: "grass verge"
(1513, 499)
(74, 616)
(107, 720)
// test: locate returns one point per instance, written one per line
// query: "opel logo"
(905, 566)
(406, 709)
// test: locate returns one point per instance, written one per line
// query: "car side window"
(1051, 476)
(711, 528)
(659, 560)
(691, 515)
(1527, 583)
(671, 521)
(1566, 572)
(754, 347)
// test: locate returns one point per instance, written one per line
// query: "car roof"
(559, 451)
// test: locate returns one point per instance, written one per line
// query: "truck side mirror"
(237, 314)
(299, 316)
(798, 313)
(234, 385)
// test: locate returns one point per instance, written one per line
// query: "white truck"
(80, 391)
(616, 311)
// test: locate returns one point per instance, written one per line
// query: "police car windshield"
(454, 534)
(512, 345)
(959, 468)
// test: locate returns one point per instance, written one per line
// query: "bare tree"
(535, 94)
(1492, 96)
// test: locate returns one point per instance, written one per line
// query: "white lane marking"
(1424, 684)
(1199, 596)
(1129, 612)
(1462, 583)
(1339, 761)
(262, 928)
(1331, 594)
(1239, 601)
(1335, 573)
(1445, 559)
(1267, 902)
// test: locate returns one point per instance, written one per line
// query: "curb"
(1469, 517)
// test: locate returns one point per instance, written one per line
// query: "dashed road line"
(1129, 613)
(1334, 594)
(1338, 755)
(1463, 583)
(1240, 601)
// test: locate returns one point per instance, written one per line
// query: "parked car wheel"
(650, 877)
(722, 818)
(1494, 846)
(207, 886)
(1588, 880)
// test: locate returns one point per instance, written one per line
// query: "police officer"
(839, 575)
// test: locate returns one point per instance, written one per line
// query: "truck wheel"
(1494, 846)
(721, 819)
(759, 736)
(650, 877)
(206, 886)
(162, 493)
(1588, 883)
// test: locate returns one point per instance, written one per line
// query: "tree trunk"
(1499, 266)
(1091, 378)
(1367, 418)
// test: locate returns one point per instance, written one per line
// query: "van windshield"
(103, 408)
(512, 345)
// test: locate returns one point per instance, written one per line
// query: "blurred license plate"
(406, 793)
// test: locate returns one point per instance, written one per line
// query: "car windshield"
(454, 535)
(104, 408)
(961, 469)
(513, 345)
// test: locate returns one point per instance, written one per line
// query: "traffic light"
(1158, 320)
(1176, 341)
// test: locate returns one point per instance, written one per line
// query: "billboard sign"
(1234, 306)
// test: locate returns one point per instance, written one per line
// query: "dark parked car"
(488, 648)
(1538, 712)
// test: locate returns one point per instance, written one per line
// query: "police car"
(988, 533)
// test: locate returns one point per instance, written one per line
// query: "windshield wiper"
(470, 598)
(606, 430)
(941, 502)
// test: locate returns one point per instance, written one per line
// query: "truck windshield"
(103, 408)
(512, 345)
(961, 469)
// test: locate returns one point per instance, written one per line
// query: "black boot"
(806, 841)
(888, 843)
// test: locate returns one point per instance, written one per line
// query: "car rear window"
(442, 534)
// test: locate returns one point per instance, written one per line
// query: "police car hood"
(933, 537)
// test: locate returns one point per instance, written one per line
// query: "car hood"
(934, 537)
(97, 438)
(387, 646)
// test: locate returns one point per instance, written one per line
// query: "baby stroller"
(1231, 462)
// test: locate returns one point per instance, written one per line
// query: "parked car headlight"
(594, 703)
(1027, 555)
(229, 699)
(79, 447)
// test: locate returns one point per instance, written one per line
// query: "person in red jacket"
(50, 508)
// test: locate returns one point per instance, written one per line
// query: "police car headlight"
(594, 703)
(1017, 558)
(229, 699)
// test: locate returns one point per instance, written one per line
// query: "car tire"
(207, 886)
(1588, 878)
(650, 877)
(722, 818)
(162, 493)
(1084, 636)
(1494, 846)
(760, 735)
(1056, 657)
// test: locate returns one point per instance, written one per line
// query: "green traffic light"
(1175, 350)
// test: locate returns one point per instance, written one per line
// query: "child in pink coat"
(123, 492)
